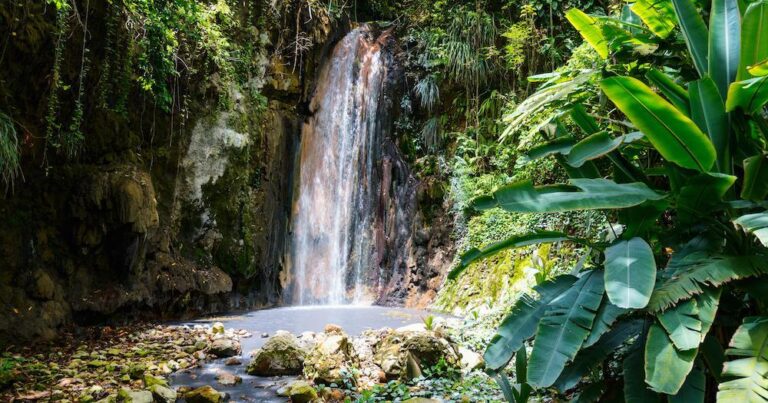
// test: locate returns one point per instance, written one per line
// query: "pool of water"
(353, 319)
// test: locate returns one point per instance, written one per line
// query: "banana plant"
(685, 171)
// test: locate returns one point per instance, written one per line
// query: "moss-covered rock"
(163, 394)
(280, 355)
(325, 362)
(302, 392)
(405, 355)
(134, 396)
(204, 394)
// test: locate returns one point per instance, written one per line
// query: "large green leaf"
(682, 324)
(755, 223)
(635, 389)
(516, 241)
(563, 329)
(590, 194)
(693, 389)
(520, 324)
(755, 178)
(589, 358)
(708, 303)
(672, 133)
(596, 146)
(754, 37)
(630, 273)
(560, 145)
(675, 93)
(690, 275)
(590, 30)
(582, 119)
(658, 15)
(604, 318)
(748, 372)
(702, 195)
(724, 43)
(695, 33)
(665, 366)
(708, 111)
(749, 95)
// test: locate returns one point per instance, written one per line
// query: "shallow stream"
(296, 320)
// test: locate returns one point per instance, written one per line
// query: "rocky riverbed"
(206, 363)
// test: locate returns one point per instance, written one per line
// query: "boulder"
(204, 394)
(301, 392)
(406, 355)
(280, 355)
(163, 394)
(224, 348)
(325, 362)
(134, 396)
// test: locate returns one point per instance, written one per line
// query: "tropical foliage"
(667, 135)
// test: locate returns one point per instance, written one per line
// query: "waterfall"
(331, 258)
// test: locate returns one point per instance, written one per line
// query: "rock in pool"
(204, 394)
(224, 348)
(280, 355)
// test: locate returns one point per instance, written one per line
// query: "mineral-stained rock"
(204, 394)
(224, 348)
(327, 359)
(280, 355)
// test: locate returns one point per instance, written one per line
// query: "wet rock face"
(280, 355)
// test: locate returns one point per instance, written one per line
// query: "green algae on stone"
(301, 392)
(203, 394)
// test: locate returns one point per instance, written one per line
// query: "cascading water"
(332, 225)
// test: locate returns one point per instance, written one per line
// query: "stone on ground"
(280, 355)
(163, 394)
(134, 396)
(470, 360)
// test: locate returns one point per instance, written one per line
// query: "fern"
(690, 275)
(9, 151)
(428, 92)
